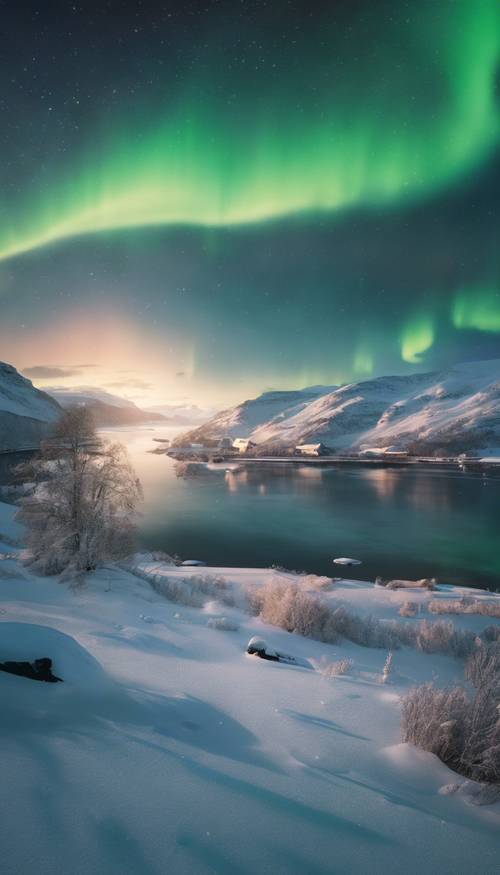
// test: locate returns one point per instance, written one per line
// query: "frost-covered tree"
(387, 670)
(80, 511)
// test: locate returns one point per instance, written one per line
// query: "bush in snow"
(491, 633)
(483, 666)
(463, 731)
(435, 720)
(317, 583)
(465, 605)
(408, 609)
(443, 637)
(222, 624)
(334, 669)
(193, 591)
(365, 631)
(424, 583)
(286, 605)
(472, 792)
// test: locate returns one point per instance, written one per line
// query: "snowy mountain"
(26, 413)
(248, 417)
(457, 409)
(68, 397)
(107, 409)
(183, 414)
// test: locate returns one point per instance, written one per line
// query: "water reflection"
(237, 479)
(310, 472)
(408, 522)
(383, 480)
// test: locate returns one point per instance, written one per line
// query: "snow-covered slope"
(246, 418)
(458, 409)
(26, 413)
(168, 749)
(68, 397)
(107, 409)
(183, 414)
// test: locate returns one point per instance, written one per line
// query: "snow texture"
(168, 749)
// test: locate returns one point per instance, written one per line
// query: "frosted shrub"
(463, 732)
(424, 583)
(178, 590)
(483, 666)
(481, 754)
(286, 605)
(408, 609)
(334, 669)
(443, 637)
(480, 757)
(491, 633)
(222, 624)
(434, 720)
(193, 591)
(317, 583)
(387, 670)
(465, 606)
(370, 632)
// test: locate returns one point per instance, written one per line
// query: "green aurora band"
(417, 338)
(412, 117)
(477, 309)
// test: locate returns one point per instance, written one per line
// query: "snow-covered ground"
(168, 749)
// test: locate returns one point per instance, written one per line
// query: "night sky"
(204, 200)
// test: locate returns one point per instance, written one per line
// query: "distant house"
(243, 444)
(377, 452)
(312, 450)
(225, 443)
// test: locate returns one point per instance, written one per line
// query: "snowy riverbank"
(167, 748)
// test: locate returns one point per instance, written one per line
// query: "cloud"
(47, 372)
(130, 384)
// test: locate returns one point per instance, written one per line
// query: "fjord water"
(401, 522)
(408, 522)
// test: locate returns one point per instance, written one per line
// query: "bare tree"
(80, 512)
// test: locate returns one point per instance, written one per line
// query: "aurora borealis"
(265, 194)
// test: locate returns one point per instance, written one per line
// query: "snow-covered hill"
(248, 417)
(183, 414)
(456, 409)
(26, 413)
(107, 409)
(68, 397)
(168, 749)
